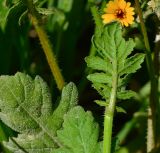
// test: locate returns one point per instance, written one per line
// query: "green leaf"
(30, 144)
(24, 102)
(100, 78)
(45, 11)
(127, 94)
(132, 64)
(120, 110)
(97, 63)
(79, 133)
(68, 100)
(101, 102)
(102, 89)
(125, 48)
(15, 12)
(112, 62)
(26, 107)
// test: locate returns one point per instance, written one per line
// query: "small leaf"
(100, 78)
(127, 94)
(102, 89)
(120, 110)
(98, 63)
(125, 48)
(45, 11)
(79, 133)
(132, 64)
(101, 103)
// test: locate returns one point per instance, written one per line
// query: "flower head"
(118, 10)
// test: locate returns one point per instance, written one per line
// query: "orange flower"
(118, 10)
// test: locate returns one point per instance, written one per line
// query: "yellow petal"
(128, 4)
(122, 4)
(130, 19)
(108, 18)
(111, 7)
(125, 23)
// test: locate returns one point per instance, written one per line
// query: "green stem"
(46, 45)
(109, 113)
(151, 135)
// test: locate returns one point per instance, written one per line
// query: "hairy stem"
(109, 113)
(151, 135)
(46, 45)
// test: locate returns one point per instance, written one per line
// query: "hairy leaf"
(100, 78)
(113, 61)
(79, 133)
(132, 64)
(98, 63)
(26, 107)
(127, 94)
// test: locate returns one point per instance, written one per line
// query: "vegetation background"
(70, 27)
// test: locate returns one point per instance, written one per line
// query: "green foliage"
(10, 9)
(79, 133)
(3, 13)
(26, 107)
(17, 9)
(113, 58)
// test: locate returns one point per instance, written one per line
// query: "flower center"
(120, 14)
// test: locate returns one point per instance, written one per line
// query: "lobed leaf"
(132, 64)
(26, 107)
(24, 102)
(69, 98)
(113, 60)
(79, 133)
(100, 78)
(127, 94)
